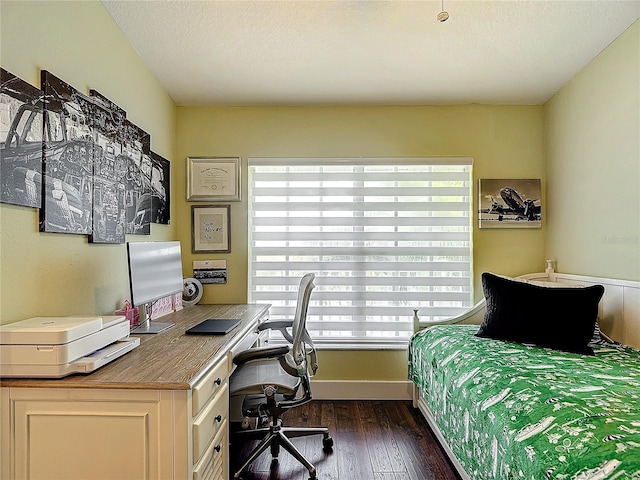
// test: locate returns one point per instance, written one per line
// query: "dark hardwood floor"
(373, 440)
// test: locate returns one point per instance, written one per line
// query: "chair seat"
(251, 377)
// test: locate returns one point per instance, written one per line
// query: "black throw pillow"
(552, 317)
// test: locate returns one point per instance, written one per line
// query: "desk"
(160, 411)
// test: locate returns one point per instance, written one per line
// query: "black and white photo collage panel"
(79, 160)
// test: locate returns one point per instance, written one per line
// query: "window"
(383, 236)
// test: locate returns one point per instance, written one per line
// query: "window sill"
(328, 346)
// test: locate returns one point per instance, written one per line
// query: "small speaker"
(191, 292)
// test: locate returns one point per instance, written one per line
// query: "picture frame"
(213, 179)
(509, 203)
(211, 229)
(210, 271)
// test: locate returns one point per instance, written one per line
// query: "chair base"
(276, 436)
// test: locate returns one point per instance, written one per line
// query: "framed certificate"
(213, 179)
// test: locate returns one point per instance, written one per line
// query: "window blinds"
(383, 236)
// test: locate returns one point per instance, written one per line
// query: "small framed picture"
(510, 203)
(213, 179)
(211, 229)
(210, 271)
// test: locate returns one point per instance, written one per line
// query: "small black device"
(214, 326)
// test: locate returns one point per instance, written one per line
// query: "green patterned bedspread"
(512, 411)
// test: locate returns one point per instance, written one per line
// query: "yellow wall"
(593, 178)
(505, 142)
(59, 274)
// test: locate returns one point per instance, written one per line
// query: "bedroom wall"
(593, 165)
(590, 178)
(61, 274)
(505, 142)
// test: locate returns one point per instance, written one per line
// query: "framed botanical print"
(211, 229)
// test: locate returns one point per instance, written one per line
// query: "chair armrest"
(275, 324)
(280, 325)
(260, 353)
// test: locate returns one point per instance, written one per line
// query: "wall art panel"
(68, 157)
(161, 188)
(21, 130)
(136, 148)
(109, 169)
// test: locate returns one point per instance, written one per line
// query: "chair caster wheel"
(327, 443)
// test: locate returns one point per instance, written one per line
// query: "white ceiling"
(368, 52)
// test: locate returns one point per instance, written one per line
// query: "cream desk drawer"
(210, 421)
(212, 466)
(209, 386)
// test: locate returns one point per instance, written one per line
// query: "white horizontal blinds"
(383, 236)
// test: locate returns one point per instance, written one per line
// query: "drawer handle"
(217, 448)
(217, 381)
(218, 418)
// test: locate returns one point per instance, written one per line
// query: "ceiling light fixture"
(443, 16)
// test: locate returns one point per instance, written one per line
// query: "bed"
(514, 409)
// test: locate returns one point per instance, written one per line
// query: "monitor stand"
(151, 327)
(148, 326)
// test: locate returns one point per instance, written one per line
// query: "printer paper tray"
(86, 364)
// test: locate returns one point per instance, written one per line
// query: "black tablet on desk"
(214, 326)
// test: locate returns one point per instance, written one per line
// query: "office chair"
(273, 379)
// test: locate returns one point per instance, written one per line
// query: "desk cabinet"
(168, 424)
(92, 434)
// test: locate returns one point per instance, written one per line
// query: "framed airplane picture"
(510, 203)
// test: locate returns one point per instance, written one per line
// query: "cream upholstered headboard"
(619, 309)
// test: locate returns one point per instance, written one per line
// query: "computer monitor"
(155, 272)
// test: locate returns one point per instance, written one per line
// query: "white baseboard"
(361, 390)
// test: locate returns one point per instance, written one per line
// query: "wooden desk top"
(169, 360)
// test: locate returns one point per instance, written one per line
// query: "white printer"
(54, 347)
